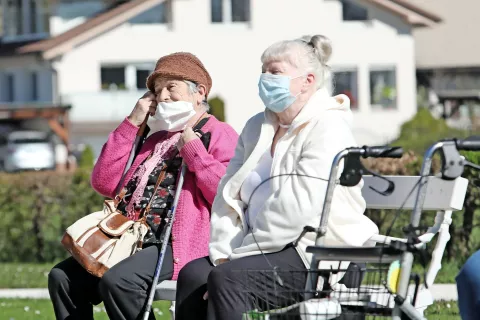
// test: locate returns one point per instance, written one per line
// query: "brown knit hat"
(183, 66)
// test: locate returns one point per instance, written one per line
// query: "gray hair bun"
(322, 46)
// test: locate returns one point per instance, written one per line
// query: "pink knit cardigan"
(191, 229)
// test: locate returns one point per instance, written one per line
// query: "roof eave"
(421, 11)
(49, 49)
(411, 15)
(419, 21)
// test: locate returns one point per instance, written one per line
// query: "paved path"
(446, 292)
(24, 293)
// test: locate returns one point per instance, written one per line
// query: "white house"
(95, 55)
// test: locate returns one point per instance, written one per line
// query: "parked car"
(27, 150)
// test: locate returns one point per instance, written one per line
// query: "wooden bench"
(442, 196)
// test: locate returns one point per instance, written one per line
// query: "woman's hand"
(187, 136)
(146, 104)
(220, 261)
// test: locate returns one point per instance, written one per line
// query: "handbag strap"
(163, 171)
(142, 134)
(160, 179)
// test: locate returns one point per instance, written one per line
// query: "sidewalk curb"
(24, 293)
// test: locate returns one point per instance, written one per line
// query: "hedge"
(415, 137)
(465, 239)
(35, 210)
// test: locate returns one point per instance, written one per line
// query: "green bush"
(422, 130)
(35, 210)
(415, 137)
(217, 108)
(465, 235)
(464, 240)
(87, 158)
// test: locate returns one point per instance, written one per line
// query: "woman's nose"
(163, 95)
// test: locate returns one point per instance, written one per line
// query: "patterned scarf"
(160, 153)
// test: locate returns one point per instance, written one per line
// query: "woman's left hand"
(187, 136)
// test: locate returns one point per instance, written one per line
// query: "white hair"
(193, 88)
(308, 53)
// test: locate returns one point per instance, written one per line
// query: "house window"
(131, 76)
(353, 12)
(9, 90)
(383, 89)
(142, 76)
(230, 10)
(113, 78)
(33, 16)
(34, 85)
(13, 18)
(217, 10)
(43, 17)
(25, 17)
(346, 83)
(157, 15)
(240, 10)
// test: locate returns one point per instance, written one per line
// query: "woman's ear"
(202, 91)
(310, 80)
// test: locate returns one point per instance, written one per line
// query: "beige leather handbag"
(104, 238)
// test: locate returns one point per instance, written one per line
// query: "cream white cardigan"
(317, 134)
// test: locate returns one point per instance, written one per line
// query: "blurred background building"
(448, 63)
(76, 68)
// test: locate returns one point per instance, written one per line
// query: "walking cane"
(137, 145)
(166, 236)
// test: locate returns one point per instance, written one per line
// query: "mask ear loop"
(303, 75)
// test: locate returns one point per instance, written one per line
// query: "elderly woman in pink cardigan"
(178, 90)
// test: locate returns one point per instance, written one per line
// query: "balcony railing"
(102, 106)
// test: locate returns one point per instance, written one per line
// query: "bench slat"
(166, 290)
(441, 194)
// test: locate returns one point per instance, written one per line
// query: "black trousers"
(239, 285)
(123, 289)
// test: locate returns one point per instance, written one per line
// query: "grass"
(28, 309)
(24, 275)
(34, 275)
(443, 310)
(446, 275)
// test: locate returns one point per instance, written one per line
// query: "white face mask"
(174, 116)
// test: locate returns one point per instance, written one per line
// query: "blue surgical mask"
(274, 90)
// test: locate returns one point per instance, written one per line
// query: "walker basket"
(353, 289)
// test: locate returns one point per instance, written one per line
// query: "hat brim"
(167, 75)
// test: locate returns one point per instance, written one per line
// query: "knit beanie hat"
(182, 66)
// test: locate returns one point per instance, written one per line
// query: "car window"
(28, 140)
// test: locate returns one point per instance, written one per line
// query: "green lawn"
(443, 310)
(446, 275)
(28, 309)
(35, 276)
(24, 275)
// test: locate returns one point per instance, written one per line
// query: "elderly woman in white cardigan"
(300, 132)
